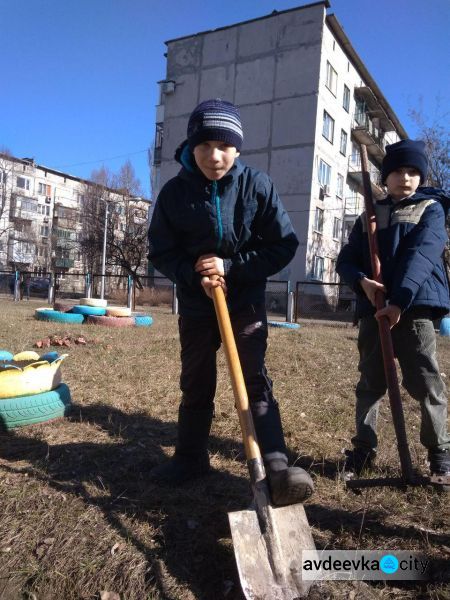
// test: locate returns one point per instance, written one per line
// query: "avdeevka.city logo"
(364, 564)
(389, 564)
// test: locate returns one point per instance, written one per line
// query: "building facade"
(43, 216)
(306, 100)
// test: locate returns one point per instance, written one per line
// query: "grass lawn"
(79, 517)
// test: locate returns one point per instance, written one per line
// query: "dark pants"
(200, 340)
(414, 343)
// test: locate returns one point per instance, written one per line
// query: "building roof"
(324, 3)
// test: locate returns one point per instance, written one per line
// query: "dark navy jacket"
(239, 217)
(411, 237)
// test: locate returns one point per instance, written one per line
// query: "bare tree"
(126, 226)
(436, 136)
(6, 187)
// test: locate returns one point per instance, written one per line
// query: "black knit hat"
(215, 120)
(406, 153)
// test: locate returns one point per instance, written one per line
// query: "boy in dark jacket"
(218, 217)
(411, 237)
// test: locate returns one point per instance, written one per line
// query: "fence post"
(88, 286)
(174, 299)
(16, 286)
(51, 290)
(290, 307)
(130, 292)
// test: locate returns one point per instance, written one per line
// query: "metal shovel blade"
(268, 543)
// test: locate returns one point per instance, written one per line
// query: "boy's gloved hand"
(210, 264)
(392, 312)
(371, 287)
(208, 284)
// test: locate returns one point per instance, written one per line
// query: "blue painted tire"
(81, 309)
(5, 355)
(283, 324)
(37, 408)
(143, 320)
(444, 327)
(59, 317)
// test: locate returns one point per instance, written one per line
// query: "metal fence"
(309, 300)
(324, 300)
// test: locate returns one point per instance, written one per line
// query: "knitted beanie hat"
(406, 153)
(215, 120)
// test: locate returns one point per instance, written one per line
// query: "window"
(44, 230)
(343, 145)
(340, 186)
(337, 223)
(346, 98)
(331, 79)
(324, 173)
(3, 177)
(23, 183)
(28, 205)
(44, 189)
(333, 275)
(159, 136)
(318, 220)
(328, 127)
(317, 269)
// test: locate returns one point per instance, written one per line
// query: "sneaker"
(357, 461)
(440, 466)
(291, 485)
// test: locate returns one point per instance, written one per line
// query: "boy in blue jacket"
(218, 217)
(411, 237)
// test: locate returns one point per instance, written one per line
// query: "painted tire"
(36, 408)
(283, 324)
(110, 321)
(35, 378)
(57, 316)
(89, 310)
(444, 327)
(143, 321)
(94, 302)
(5, 355)
(118, 311)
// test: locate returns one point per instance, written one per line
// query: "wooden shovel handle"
(252, 450)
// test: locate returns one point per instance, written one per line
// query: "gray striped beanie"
(215, 120)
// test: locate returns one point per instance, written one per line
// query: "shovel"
(268, 540)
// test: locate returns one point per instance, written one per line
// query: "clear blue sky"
(78, 77)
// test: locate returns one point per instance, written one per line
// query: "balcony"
(21, 252)
(354, 205)
(355, 172)
(64, 263)
(374, 108)
(365, 132)
(23, 208)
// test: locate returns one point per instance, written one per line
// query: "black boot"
(191, 458)
(288, 485)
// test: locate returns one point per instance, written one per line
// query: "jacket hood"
(185, 157)
(424, 193)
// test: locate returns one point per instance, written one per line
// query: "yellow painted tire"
(98, 302)
(118, 311)
(35, 378)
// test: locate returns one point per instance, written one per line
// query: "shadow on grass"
(190, 542)
(188, 522)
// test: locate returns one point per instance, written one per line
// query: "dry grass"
(78, 515)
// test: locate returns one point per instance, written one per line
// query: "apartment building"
(306, 101)
(43, 213)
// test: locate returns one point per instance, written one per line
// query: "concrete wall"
(270, 69)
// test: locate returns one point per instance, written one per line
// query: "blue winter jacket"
(239, 217)
(411, 237)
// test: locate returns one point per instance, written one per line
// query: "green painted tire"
(283, 324)
(37, 408)
(143, 320)
(59, 317)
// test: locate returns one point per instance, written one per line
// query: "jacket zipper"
(216, 200)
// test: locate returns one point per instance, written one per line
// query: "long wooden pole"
(384, 327)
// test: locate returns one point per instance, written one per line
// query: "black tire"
(37, 408)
